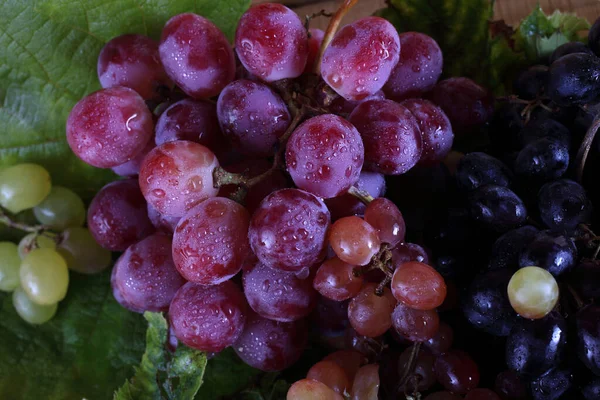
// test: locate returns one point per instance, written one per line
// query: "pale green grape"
(44, 276)
(31, 312)
(533, 292)
(9, 266)
(61, 209)
(35, 241)
(23, 186)
(82, 253)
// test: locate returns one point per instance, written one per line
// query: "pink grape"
(270, 345)
(117, 216)
(289, 230)
(132, 167)
(278, 295)
(271, 42)
(391, 136)
(419, 68)
(405, 252)
(325, 155)
(196, 55)
(145, 276)
(309, 389)
(360, 58)
(210, 242)
(353, 240)
(336, 281)
(314, 44)
(383, 215)
(436, 130)
(176, 176)
(109, 127)
(347, 205)
(132, 61)
(208, 318)
(371, 315)
(253, 117)
(161, 222)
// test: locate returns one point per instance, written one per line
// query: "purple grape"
(390, 134)
(554, 252)
(325, 155)
(314, 45)
(253, 117)
(497, 207)
(117, 216)
(507, 248)
(196, 55)
(588, 337)
(271, 42)
(552, 385)
(132, 61)
(419, 68)
(109, 127)
(347, 205)
(510, 386)
(569, 48)
(145, 277)
(477, 169)
(563, 205)
(132, 167)
(161, 222)
(360, 58)
(289, 230)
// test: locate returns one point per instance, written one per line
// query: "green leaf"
(161, 375)
(48, 53)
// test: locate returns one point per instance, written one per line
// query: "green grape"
(23, 186)
(82, 253)
(44, 276)
(9, 266)
(533, 292)
(35, 241)
(61, 209)
(31, 312)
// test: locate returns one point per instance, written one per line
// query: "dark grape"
(552, 385)
(497, 207)
(544, 129)
(594, 37)
(415, 325)
(405, 252)
(553, 252)
(588, 337)
(507, 248)
(482, 394)
(585, 277)
(531, 83)
(563, 205)
(478, 169)
(569, 48)
(574, 80)
(423, 376)
(457, 371)
(510, 386)
(544, 159)
(441, 342)
(591, 390)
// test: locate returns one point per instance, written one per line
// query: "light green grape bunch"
(36, 270)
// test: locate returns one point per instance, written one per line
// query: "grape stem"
(410, 366)
(6, 220)
(381, 261)
(575, 296)
(584, 149)
(361, 195)
(309, 18)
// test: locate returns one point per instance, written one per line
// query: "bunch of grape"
(36, 270)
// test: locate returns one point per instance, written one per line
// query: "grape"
(314, 44)
(418, 286)
(588, 337)
(441, 342)
(585, 277)
(370, 347)
(552, 385)
(479, 169)
(176, 176)
(347, 205)
(391, 136)
(132, 167)
(208, 318)
(569, 48)
(325, 155)
(533, 292)
(467, 105)
(289, 229)
(591, 390)
(196, 55)
(369, 314)
(117, 217)
(443, 396)
(353, 240)
(482, 394)
(497, 207)
(271, 42)
(531, 83)
(270, 345)
(61, 209)
(309, 389)
(366, 383)
(35, 241)
(81, 252)
(436, 130)
(162, 223)
(341, 106)
(361, 57)
(563, 205)
(278, 295)
(415, 325)
(331, 374)
(336, 281)
(405, 252)
(457, 371)
(10, 263)
(383, 215)
(544, 159)
(507, 248)
(211, 242)
(544, 129)
(109, 127)
(572, 80)
(486, 304)
(553, 252)
(252, 116)
(132, 61)
(23, 186)
(419, 68)
(594, 37)
(350, 361)
(510, 386)
(423, 376)
(31, 312)
(44, 276)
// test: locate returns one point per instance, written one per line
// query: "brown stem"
(6, 220)
(410, 366)
(309, 18)
(361, 195)
(584, 149)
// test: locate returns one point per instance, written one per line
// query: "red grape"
(196, 55)
(423, 375)
(360, 58)
(415, 325)
(353, 240)
(419, 286)
(482, 394)
(457, 371)
(371, 315)
(117, 216)
(289, 229)
(208, 318)
(324, 155)
(132, 167)
(309, 389)
(391, 136)
(383, 215)
(109, 127)
(441, 342)
(331, 374)
(336, 281)
(176, 176)
(132, 61)
(366, 383)
(349, 360)
(405, 252)
(161, 222)
(271, 42)
(211, 241)
(340, 105)
(347, 205)
(314, 45)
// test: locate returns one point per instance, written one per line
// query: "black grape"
(497, 207)
(588, 337)
(594, 37)
(574, 79)
(544, 159)
(553, 252)
(507, 248)
(591, 390)
(552, 385)
(478, 169)
(563, 204)
(531, 82)
(585, 277)
(569, 48)
(545, 128)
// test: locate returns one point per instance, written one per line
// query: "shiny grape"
(81, 251)
(331, 374)
(309, 389)
(354, 241)
(336, 281)
(369, 314)
(31, 312)
(23, 186)
(415, 325)
(383, 215)
(418, 286)
(533, 292)
(563, 205)
(44, 276)
(347, 205)
(61, 209)
(366, 383)
(457, 371)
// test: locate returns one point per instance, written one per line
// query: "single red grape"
(418, 286)
(353, 240)
(415, 325)
(457, 371)
(336, 281)
(371, 315)
(383, 215)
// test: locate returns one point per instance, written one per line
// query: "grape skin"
(457, 371)
(497, 208)
(588, 337)
(533, 292)
(478, 169)
(569, 48)
(81, 252)
(418, 286)
(331, 374)
(366, 383)
(354, 241)
(23, 186)
(415, 325)
(555, 253)
(162, 223)
(573, 79)
(347, 205)
(552, 385)
(31, 312)
(9, 266)
(369, 314)
(132, 167)
(423, 370)
(336, 281)
(44, 276)
(507, 248)
(383, 215)
(62, 208)
(309, 389)
(563, 205)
